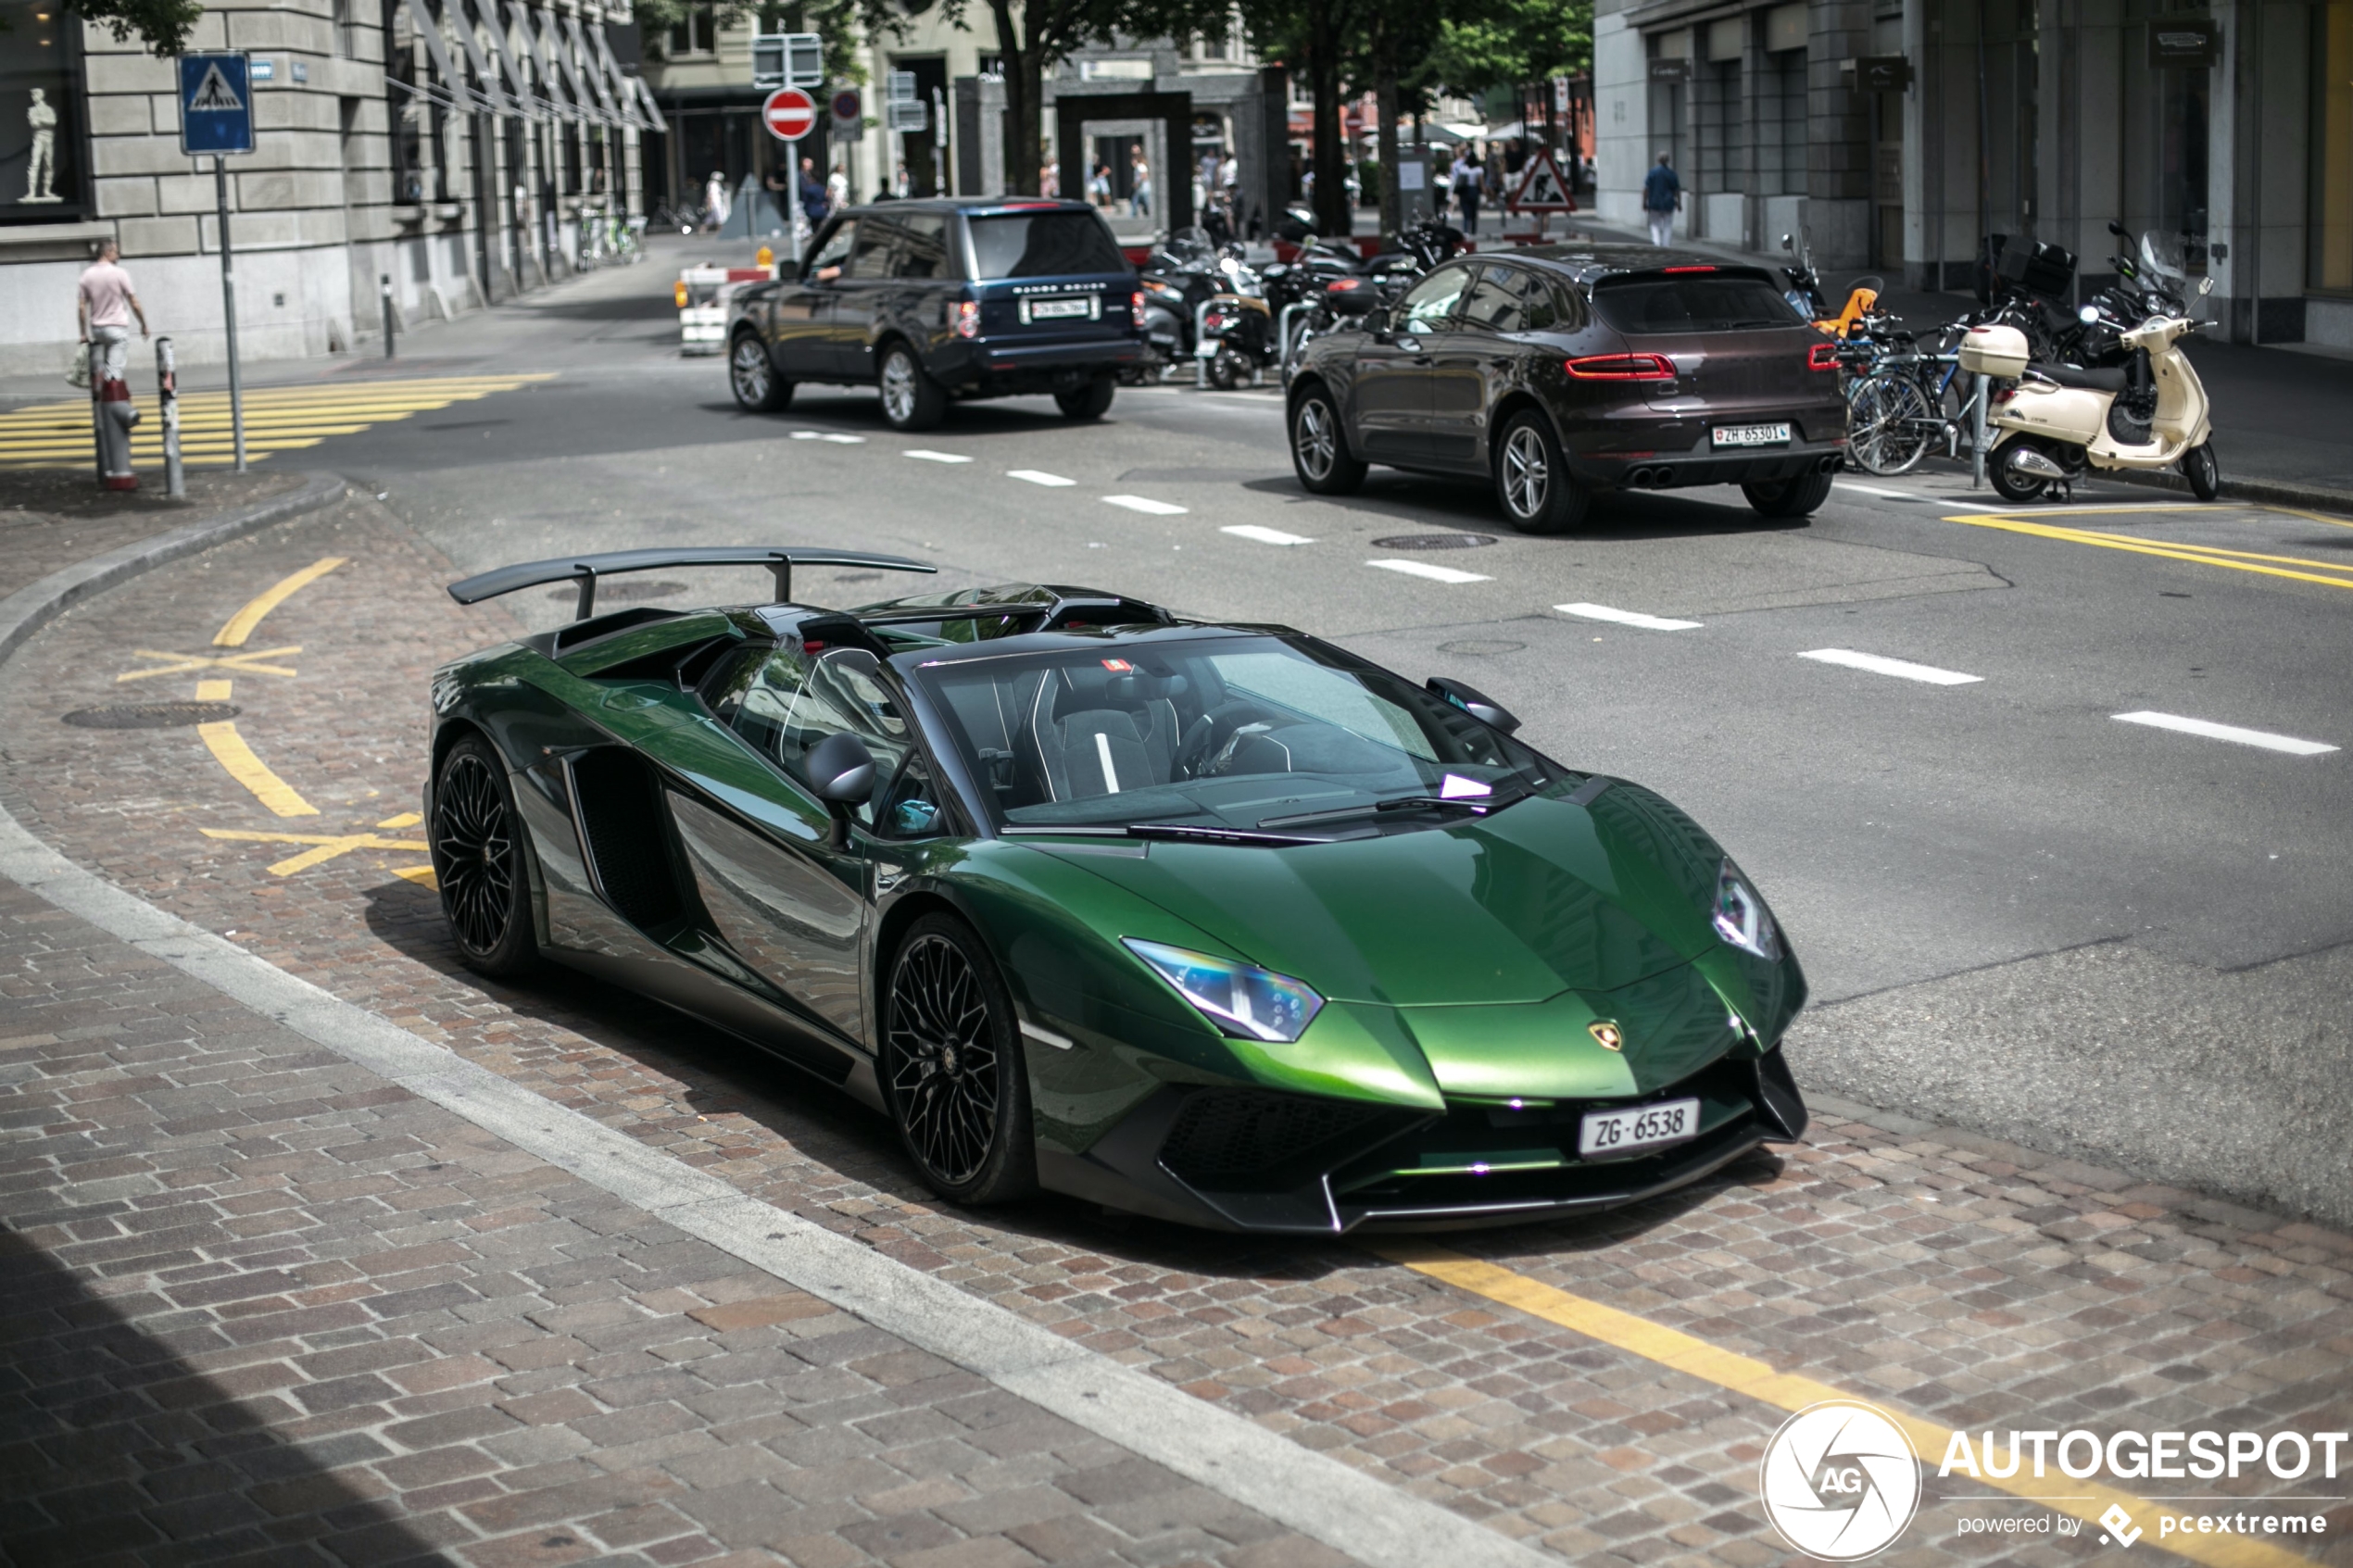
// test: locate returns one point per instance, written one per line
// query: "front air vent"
(626, 835)
(1249, 1140)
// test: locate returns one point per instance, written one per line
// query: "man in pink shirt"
(105, 306)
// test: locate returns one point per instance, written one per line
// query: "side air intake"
(626, 834)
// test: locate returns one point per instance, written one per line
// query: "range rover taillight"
(1136, 307)
(968, 318)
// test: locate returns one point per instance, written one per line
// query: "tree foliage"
(162, 25)
(1484, 44)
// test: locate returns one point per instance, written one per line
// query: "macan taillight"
(1622, 367)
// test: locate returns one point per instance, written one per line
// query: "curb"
(34, 606)
(1373, 1521)
(2318, 498)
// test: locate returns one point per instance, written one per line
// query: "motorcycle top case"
(1993, 351)
(2036, 267)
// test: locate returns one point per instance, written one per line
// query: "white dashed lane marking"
(1627, 618)
(1263, 535)
(1435, 574)
(1903, 670)
(2232, 732)
(1040, 476)
(833, 436)
(931, 457)
(1875, 490)
(1146, 505)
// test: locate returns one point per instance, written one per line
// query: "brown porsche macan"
(1561, 370)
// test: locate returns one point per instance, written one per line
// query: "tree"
(1316, 38)
(1033, 36)
(162, 25)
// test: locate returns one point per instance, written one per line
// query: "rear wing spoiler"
(585, 569)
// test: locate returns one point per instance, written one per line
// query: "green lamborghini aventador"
(1215, 922)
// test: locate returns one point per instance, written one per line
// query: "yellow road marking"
(188, 663)
(2198, 555)
(229, 749)
(324, 847)
(212, 691)
(241, 624)
(406, 820)
(1789, 1391)
(422, 875)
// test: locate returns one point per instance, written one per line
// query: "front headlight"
(1742, 918)
(1238, 998)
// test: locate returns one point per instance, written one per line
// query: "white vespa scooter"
(2059, 420)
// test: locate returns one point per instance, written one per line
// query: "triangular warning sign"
(214, 96)
(1541, 188)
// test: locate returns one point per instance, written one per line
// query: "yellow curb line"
(241, 624)
(229, 749)
(326, 847)
(2168, 551)
(1787, 1391)
(186, 663)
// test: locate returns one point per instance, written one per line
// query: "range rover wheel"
(952, 1068)
(752, 377)
(911, 399)
(1319, 447)
(1089, 402)
(1532, 479)
(478, 860)
(1802, 497)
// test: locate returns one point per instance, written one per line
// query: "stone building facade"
(453, 147)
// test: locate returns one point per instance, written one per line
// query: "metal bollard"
(175, 479)
(384, 286)
(115, 414)
(1977, 434)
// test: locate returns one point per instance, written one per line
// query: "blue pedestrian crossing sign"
(216, 104)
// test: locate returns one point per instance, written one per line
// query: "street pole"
(1984, 390)
(175, 482)
(384, 286)
(229, 310)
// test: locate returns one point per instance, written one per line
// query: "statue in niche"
(41, 172)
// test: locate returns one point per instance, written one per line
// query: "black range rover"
(1556, 371)
(928, 300)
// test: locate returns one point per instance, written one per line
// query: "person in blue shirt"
(1661, 194)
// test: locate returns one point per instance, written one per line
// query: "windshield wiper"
(1479, 804)
(1174, 831)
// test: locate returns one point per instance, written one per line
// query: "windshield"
(1233, 733)
(1043, 245)
(2161, 255)
(1694, 302)
(1190, 247)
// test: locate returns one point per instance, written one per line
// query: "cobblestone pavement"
(260, 1306)
(1971, 1282)
(49, 521)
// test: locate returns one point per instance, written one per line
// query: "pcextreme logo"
(1839, 1480)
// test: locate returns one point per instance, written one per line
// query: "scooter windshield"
(2162, 256)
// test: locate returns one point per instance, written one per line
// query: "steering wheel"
(1203, 733)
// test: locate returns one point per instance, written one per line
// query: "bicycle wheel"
(1889, 425)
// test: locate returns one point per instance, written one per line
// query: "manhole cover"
(1476, 647)
(621, 591)
(152, 715)
(1434, 540)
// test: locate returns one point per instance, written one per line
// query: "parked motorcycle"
(1804, 292)
(2055, 420)
(1180, 276)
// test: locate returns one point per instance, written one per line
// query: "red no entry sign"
(789, 113)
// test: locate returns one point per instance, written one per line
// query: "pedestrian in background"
(1467, 187)
(1050, 179)
(1661, 194)
(714, 201)
(103, 305)
(1139, 200)
(836, 189)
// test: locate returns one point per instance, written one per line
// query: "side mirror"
(1788, 244)
(1351, 297)
(841, 771)
(1484, 709)
(2118, 229)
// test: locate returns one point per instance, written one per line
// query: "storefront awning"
(527, 103)
(624, 90)
(486, 82)
(590, 73)
(451, 90)
(543, 66)
(551, 43)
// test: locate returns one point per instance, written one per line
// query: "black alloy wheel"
(1089, 402)
(1802, 497)
(1532, 481)
(1319, 447)
(952, 1066)
(911, 399)
(752, 377)
(478, 861)
(2204, 472)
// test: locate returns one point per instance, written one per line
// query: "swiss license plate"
(1060, 310)
(1605, 1133)
(1751, 435)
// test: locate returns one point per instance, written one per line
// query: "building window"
(992, 67)
(2332, 225)
(696, 35)
(40, 122)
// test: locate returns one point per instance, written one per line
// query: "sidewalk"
(2280, 415)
